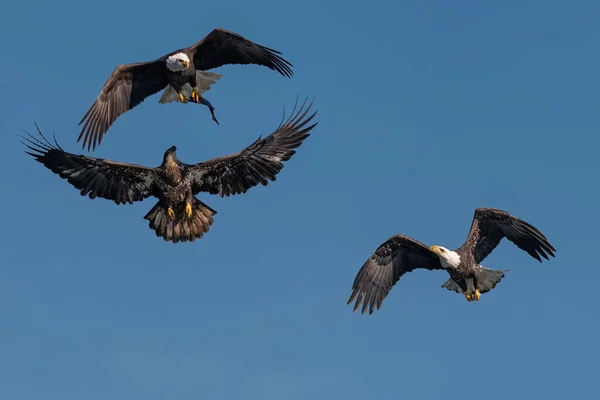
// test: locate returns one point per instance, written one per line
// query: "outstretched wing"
(257, 163)
(120, 182)
(490, 226)
(222, 47)
(397, 256)
(127, 86)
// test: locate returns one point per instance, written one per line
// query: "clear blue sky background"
(427, 110)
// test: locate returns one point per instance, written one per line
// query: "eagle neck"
(173, 172)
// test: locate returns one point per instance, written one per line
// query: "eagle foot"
(182, 98)
(188, 210)
(171, 213)
(474, 296)
(195, 95)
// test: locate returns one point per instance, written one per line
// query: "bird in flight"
(178, 216)
(401, 254)
(182, 73)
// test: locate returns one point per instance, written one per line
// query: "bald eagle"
(178, 216)
(401, 254)
(181, 72)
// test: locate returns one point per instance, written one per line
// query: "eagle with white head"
(401, 254)
(181, 73)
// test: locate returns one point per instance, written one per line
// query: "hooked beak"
(185, 63)
(435, 249)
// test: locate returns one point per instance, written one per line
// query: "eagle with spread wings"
(178, 216)
(182, 73)
(401, 254)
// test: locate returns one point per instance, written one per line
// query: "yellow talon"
(195, 95)
(182, 98)
(188, 209)
(171, 213)
(475, 296)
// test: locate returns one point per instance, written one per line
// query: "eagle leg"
(182, 98)
(188, 209)
(473, 296)
(195, 95)
(171, 213)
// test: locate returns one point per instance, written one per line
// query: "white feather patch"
(449, 258)
(174, 61)
(205, 80)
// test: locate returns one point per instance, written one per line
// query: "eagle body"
(466, 274)
(401, 254)
(183, 74)
(172, 189)
(178, 216)
(171, 170)
(176, 79)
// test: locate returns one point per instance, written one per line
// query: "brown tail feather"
(182, 228)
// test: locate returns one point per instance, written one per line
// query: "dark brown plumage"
(178, 215)
(395, 257)
(401, 254)
(221, 47)
(130, 84)
(491, 225)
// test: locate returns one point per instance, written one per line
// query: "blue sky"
(427, 111)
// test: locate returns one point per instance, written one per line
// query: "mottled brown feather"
(491, 225)
(256, 164)
(96, 177)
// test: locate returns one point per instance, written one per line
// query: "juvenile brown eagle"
(181, 72)
(178, 216)
(401, 254)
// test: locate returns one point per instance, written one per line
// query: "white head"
(178, 62)
(448, 258)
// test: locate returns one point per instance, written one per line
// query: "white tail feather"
(169, 95)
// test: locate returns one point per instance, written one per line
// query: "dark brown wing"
(397, 256)
(490, 226)
(120, 182)
(257, 163)
(222, 47)
(127, 86)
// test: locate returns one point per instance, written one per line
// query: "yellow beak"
(435, 249)
(185, 63)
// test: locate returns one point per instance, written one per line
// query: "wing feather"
(127, 86)
(222, 47)
(395, 257)
(123, 183)
(257, 163)
(491, 225)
